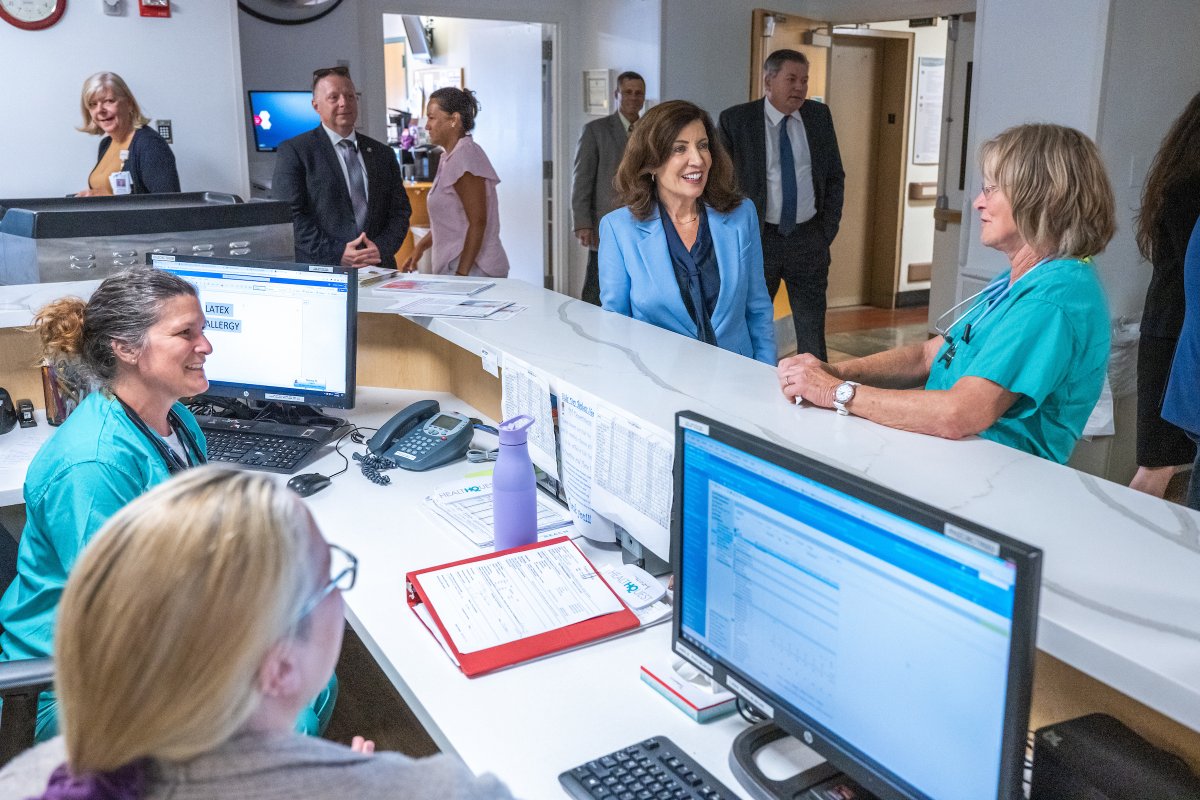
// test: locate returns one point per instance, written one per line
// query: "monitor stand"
(281, 419)
(818, 782)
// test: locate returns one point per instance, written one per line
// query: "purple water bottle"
(514, 487)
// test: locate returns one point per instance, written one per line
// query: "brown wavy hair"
(649, 147)
(1176, 164)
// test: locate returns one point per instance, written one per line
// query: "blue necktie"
(358, 185)
(787, 174)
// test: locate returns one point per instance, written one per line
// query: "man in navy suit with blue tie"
(786, 157)
(348, 201)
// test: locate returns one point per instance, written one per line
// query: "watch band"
(840, 405)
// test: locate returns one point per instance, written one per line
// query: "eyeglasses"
(343, 569)
(988, 189)
(341, 71)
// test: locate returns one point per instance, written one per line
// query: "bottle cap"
(515, 430)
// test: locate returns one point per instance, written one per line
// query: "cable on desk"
(747, 712)
(480, 456)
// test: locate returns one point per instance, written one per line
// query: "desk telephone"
(422, 436)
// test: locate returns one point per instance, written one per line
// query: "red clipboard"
(532, 647)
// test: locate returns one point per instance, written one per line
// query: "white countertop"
(1121, 599)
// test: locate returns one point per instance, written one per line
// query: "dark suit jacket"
(601, 146)
(308, 175)
(151, 164)
(744, 130)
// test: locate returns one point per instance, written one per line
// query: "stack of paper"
(467, 506)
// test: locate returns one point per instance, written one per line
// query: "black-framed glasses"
(323, 72)
(343, 571)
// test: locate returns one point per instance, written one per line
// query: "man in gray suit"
(600, 149)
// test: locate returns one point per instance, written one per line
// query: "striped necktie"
(358, 183)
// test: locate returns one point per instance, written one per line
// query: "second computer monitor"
(895, 638)
(280, 332)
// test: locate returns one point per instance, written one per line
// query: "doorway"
(515, 115)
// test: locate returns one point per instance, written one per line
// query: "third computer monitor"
(896, 638)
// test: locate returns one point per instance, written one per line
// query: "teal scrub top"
(1047, 340)
(91, 467)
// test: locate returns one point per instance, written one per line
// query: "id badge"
(121, 182)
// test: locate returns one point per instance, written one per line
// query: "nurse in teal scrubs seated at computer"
(1025, 362)
(139, 342)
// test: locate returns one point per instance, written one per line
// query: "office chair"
(20, 684)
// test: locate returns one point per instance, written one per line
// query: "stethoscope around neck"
(994, 293)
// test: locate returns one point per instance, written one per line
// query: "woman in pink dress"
(463, 214)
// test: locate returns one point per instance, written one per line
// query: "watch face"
(32, 14)
(844, 393)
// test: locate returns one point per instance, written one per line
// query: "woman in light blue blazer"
(684, 252)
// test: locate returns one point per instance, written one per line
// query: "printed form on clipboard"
(500, 609)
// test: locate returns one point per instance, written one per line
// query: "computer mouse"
(308, 483)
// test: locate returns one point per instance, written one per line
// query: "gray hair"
(776, 60)
(122, 309)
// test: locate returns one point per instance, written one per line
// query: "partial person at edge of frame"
(132, 157)
(1170, 208)
(684, 253)
(193, 630)
(1025, 363)
(601, 145)
(464, 212)
(1180, 406)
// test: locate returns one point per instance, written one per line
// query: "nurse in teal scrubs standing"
(1022, 362)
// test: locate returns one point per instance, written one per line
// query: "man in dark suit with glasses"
(348, 202)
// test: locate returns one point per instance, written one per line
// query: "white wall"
(1018, 80)
(622, 35)
(184, 69)
(502, 64)
(283, 57)
(1152, 71)
(916, 243)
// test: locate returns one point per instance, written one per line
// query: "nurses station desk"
(1120, 605)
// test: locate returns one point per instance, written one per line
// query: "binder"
(529, 648)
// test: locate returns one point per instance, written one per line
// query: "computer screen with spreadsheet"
(899, 638)
(280, 332)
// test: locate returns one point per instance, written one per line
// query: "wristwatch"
(842, 395)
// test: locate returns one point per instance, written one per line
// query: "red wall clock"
(32, 15)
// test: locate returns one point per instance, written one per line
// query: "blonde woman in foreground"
(193, 630)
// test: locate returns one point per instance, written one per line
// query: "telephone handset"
(422, 436)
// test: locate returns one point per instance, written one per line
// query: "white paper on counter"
(526, 391)
(466, 506)
(577, 438)
(499, 600)
(630, 480)
(432, 305)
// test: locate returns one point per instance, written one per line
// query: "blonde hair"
(98, 83)
(171, 611)
(1055, 181)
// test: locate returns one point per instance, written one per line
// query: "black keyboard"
(260, 451)
(656, 769)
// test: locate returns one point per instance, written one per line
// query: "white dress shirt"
(336, 137)
(806, 199)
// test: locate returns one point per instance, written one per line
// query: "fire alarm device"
(32, 15)
(154, 8)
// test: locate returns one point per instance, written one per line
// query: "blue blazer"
(1181, 406)
(637, 279)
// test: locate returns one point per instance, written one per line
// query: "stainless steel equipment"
(87, 238)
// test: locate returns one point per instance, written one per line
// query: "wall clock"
(287, 12)
(32, 15)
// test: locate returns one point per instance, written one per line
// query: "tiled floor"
(862, 330)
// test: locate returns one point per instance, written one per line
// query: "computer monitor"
(281, 332)
(893, 638)
(278, 116)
